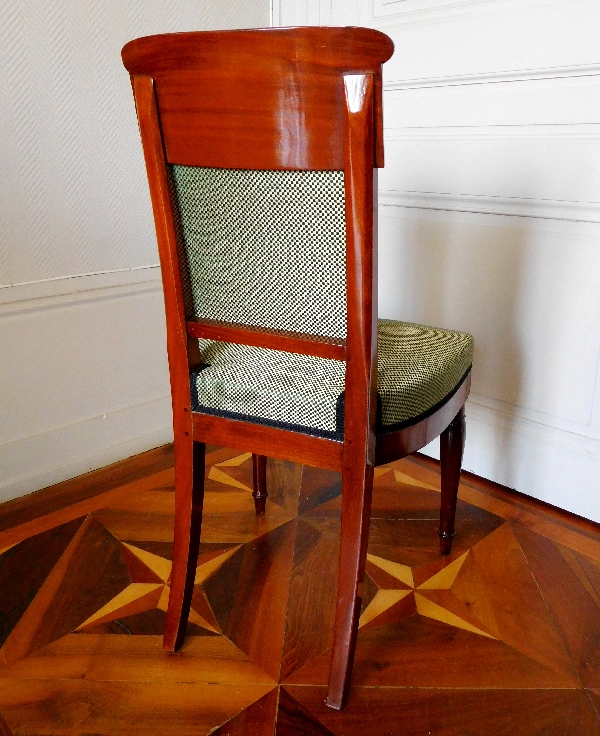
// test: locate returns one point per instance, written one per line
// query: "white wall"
(83, 372)
(489, 222)
(490, 217)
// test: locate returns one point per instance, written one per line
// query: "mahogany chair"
(262, 148)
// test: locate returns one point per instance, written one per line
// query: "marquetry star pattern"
(263, 607)
(403, 591)
(149, 588)
(230, 473)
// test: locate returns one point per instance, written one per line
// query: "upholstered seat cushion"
(418, 367)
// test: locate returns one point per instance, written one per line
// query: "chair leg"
(189, 495)
(452, 443)
(357, 490)
(259, 476)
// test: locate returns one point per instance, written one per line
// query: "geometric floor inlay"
(502, 636)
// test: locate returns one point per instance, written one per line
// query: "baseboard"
(66, 452)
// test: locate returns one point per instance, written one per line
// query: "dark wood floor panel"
(4, 728)
(455, 712)
(567, 581)
(501, 637)
(25, 567)
(257, 719)
(257, 620)
(311, 602)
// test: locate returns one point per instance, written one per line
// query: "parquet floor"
(502, 637)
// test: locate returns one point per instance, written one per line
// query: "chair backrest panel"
(282, 90)
(263, 248)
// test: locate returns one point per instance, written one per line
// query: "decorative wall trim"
(538, 131)
(41, 295)
(37, 449)
(547, 209)
(68, 451)
(496, 77)
(397, 12)
(509, 417)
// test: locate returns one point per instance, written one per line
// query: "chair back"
(261, 148)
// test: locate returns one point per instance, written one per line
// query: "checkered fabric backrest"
(263, 248)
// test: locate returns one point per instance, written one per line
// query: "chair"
(262, 148)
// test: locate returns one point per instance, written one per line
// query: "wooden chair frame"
(195, 95)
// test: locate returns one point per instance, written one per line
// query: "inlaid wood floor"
(502, 637)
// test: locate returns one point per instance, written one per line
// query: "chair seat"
(418, 367)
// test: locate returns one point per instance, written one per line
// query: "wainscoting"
(489, 217)
(84, 376)
(83, 371)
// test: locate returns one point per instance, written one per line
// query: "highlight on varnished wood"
(361, 376)
(279, 88)
(345, 47)
(264, 337)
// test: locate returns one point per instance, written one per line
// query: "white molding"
(511, 418)
(40, 449)
(538, 131)
(495, 77)
(400, 12)
(546, 209)
(68, 451)
(41, 295)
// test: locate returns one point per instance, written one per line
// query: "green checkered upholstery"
(263, 248)
(267, 248)
(417, 367)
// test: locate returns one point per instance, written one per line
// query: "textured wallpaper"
(73, 195)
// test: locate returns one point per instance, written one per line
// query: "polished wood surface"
(394, 445)
(308, 99)
(291, 342)
(270, 441)
(361, 377)
(259, 483)
(499, 637)
(279, 88)
(452, 446)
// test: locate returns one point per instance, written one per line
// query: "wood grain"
(279, 88)
(113, 709)
(25, 567)
(88, 574)
(100, 657)
(162, 479)
(256, 623)
(257, 719)
(271, 441)
(54, 498)
(537, 598)
(360, 186)
(454, 713)
(575, 612)
(291, 342)
(452, 445)
(311, 601)
(562, 526)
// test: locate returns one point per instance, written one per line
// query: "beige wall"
(83, 373)
(490, 217)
